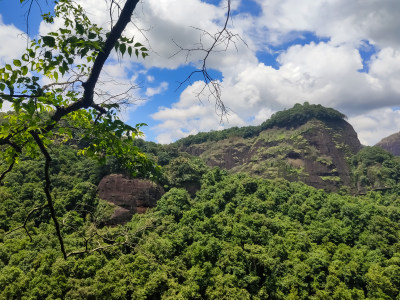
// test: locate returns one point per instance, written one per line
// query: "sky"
(338, 53)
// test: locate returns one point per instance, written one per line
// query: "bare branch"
(26, 221)
(7, 171)
(224, 37)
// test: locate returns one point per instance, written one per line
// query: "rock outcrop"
(315, 152)
(129, 196)
(391, 144)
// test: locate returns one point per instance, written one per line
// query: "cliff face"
(391, 144)
(129, 196)
(315, 153)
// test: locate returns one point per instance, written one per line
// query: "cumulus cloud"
(327, 73)
(13, 42)
(190, 116)
(342, 21)
(318, 73)
(150, 92)
(376, 124)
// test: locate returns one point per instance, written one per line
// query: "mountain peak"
(391, 144)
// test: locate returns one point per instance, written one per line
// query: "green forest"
(238, 237)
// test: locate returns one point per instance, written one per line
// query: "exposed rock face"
(130, 196)
(391, 144)
(314, 153)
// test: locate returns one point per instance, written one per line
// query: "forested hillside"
(212, 235)
(238, 238)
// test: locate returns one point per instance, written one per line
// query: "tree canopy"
(237, 238)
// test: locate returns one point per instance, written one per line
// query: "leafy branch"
(77, 53)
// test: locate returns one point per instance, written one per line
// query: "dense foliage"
(238, 238)
(214, 136)
(300, 114)
(74, 182)
(375, 168)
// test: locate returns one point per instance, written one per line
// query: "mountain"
(212, 235)
(308, 143)
(391, 144)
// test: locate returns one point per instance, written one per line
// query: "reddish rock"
(130, 196)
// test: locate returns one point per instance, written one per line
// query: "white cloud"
(13, 42)
(190, 116)
(116, 84)
(319, 73)
(150, 92)
(341, 20)
(12, 46)
(326, 73)
(376, 124)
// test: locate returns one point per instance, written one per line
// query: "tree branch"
(223, 37)
(6, 171)
(47, 189)
(26, 221)
(87, 99)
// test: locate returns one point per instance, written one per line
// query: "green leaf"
(84, 52)
(137, 52)
(79, 28)
(8, 67)
(49, 41)
(17, 62)
(138, 45)
(130, 51)
(122, 48)
(91, 35)
(2, 86)
(29, 107)
(55, 75)
(65, 31)
(48, 55)
(31, 53)
(24, 70)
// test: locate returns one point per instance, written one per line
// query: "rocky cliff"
(129, 196)
(315, 152)
(391, 144)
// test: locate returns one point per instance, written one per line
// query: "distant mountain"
(308, 143)
(391, 144)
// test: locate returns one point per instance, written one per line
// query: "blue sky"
(340, 54)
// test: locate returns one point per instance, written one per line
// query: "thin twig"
(223, 37)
